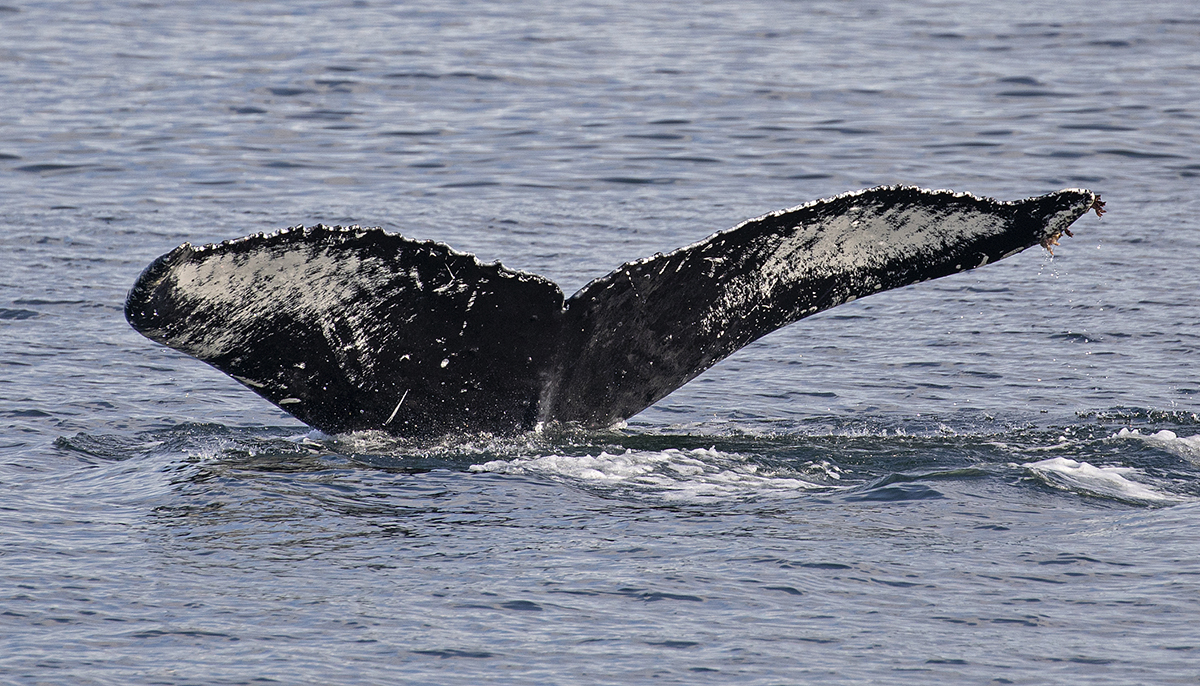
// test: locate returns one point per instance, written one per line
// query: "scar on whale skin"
(334, 324)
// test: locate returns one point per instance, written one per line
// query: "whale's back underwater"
(354, 329)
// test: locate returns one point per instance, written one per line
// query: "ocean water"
(989, 478)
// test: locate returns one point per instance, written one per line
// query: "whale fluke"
(349, 328)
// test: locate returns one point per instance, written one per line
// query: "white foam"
(1106, 482)
(1187, 447)
(672, 473)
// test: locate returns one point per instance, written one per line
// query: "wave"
(1116, 483)
(850, 461)
(674, 474)
(1186, 447)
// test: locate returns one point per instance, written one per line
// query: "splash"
(1187, 447)
(1104, 482)
(672, 473)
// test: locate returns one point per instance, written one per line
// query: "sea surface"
(989, 478)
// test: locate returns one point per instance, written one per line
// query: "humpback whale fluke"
(348, 328)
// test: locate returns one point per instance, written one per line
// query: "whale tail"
(355, 329)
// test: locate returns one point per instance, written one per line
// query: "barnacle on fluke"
(348, 328)
(1051, 239)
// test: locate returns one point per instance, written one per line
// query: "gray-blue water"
(993, 477)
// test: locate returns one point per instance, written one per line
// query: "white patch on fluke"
(238, 286)
(248, 288)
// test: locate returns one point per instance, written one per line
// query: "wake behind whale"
(348, 328)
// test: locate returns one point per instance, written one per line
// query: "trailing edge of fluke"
(350, 328)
